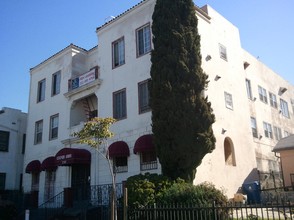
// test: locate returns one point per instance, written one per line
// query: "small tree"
(95, 134)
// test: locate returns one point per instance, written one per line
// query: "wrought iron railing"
(52, 207)
(149, 165)
(93, 202)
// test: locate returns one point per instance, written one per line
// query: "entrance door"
(80, 181)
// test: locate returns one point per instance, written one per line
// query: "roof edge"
(71, 46)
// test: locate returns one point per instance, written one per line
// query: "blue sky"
(33, 30)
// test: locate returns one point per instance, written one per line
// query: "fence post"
(27, 214)
(154, 206)
(125, 203)
(214, 210)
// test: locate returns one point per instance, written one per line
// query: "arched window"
(229, 152)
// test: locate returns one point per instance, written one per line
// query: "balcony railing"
(152, 165)
(83, 79)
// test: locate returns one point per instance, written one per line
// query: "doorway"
(80, 181)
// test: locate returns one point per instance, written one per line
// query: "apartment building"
(252, 104)
(13, 124)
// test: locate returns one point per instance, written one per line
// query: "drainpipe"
(281, 164)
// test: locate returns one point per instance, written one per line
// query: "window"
(2, 181)
(143, 94)
(292, 103)
(254, 127)
(119, 104)
(286, 134)
(53, 127)
(248, 88)
(268, 132)
(118, 52)
(148, 160)
(38, 132)
(229, 152)
(229, 100)
(223, 52)
(277, 133)
(284, 108)
(120, 164)
(35, 181)
(24, 137)
(41, 90)
(93, 114)
(262, 94)
(4, 140)
(143, 37)
(50, 176)
(56, 78)
(273, 100)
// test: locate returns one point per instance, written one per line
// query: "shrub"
(146, 189)
(204, 194)
(153, 188)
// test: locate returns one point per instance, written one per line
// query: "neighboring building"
(285, 147)
(13, 124)
(251, 104)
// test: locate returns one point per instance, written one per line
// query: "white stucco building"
(13, 124)
(252, 104)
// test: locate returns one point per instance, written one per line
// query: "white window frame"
(56, 80)
(278, 133)
(286, 133)
(268, 131)
(228, 100)
(120, 104)
(262, 94)
(38, 132)
(284, 108)
(143, 40)
(249, 89)
(144, 96)
(254, 127)
(223, 52)
(41, 90)
(118, 52)
(273, 100)
(50, 177)
(54, 123)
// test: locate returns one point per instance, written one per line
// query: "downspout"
(281, 164)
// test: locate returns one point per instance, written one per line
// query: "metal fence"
(216, 212)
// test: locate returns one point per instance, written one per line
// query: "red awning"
(70, 156)
(49, 164)
(33, 167)
(144, 144)
(119, 149)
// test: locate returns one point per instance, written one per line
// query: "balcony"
(83, 82)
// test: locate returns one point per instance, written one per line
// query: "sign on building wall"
(87, 78)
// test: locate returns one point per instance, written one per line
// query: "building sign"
(87, 78)
(64, 158)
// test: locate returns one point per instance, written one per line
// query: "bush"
(204, 194)
(149, 188)
(145, 189)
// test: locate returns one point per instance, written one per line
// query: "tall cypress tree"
(182, 117)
